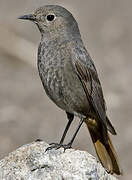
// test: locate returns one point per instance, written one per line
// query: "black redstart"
(70, 79)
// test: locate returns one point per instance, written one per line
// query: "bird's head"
(53, 19)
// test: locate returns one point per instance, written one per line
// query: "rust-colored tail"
(105, 150)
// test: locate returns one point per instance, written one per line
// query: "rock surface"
(31, 162)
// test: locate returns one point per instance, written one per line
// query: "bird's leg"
(58, 145)
(67, 146)
(70, 119)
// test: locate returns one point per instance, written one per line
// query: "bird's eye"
(50, 17)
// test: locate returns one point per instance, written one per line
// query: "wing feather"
(92, 88)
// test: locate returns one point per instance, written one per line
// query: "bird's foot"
(53, 146)
(57, 146)
(67, 146)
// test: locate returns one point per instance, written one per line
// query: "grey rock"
(31, 162)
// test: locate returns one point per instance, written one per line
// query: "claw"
(67, 146)
(49, 148)
(58, 146)
(54, 145)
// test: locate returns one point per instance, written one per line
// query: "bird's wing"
(87, 74)
(92, 87)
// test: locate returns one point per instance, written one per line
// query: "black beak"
(30, 17)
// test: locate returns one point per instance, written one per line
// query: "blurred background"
(26, 113)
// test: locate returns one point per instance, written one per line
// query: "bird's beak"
(30, 17)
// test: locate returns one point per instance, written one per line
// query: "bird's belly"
(65, 90)
(75, 98)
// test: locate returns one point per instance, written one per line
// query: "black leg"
(67, 146)
(70, 119)
(58, 145)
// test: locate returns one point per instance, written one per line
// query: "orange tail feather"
(105, 151)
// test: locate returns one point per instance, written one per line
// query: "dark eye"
(50, 17)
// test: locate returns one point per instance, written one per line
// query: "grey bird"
(70, 79)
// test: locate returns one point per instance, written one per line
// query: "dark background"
(26, 113)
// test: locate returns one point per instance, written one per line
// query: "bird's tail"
(105, 150)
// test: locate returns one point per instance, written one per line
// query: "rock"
(31, 162)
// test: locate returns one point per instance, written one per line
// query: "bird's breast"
(51, 70)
